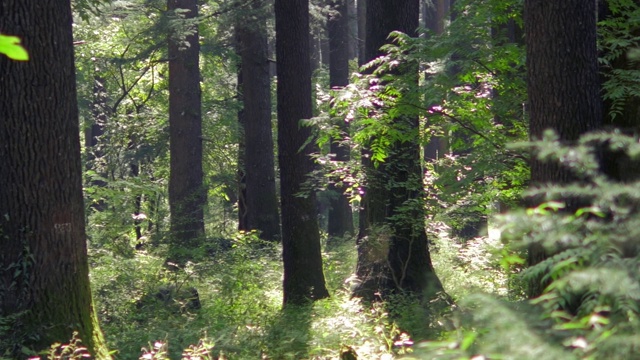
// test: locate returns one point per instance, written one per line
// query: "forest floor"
(238, 312)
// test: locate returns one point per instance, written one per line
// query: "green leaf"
(10, 46)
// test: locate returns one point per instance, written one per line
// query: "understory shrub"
(590, 306)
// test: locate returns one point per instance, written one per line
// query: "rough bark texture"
(340, 217)
(260, 199)
(187, 195)
(303, 276)
(563, 83)
(44, 276)
(393, 254)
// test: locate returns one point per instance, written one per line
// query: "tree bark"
(260, 199)
(563, 85)
(44, 277)
(303, 276)
(340, 217)
(187, 195)
(393, 254)
(362, 29)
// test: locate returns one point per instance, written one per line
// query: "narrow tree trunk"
(94, 132)
(303, 275)
(243, 223)
(187, 195)
(362, 30)
(340, 217)
(260, 200)
(563, 85)
(352, 21)
(44, 276)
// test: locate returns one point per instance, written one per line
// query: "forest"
(319, 179)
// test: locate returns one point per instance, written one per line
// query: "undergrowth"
(239, 311)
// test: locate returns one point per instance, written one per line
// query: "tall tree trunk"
(187, 195)
(340, 217)
(44, 275)
(242, 153)
(362, 29)
(303, 276)
(563, 85)
(93, 133)
(260, 199)
(352, 21)
(393, 254)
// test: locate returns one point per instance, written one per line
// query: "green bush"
(590, 306)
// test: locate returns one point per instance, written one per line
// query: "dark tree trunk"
(563, 84)
(94, 133)
(340, 217)
(393, 254)
(242, 178)
(362, 29)
(260, 205)
(352, 22)
(303, 276)
(187, 195)
(44, 275)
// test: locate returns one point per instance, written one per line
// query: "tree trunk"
(563, 85)
(44, 277)
(187, 195)
(362, 30)
(393, 254)
(352, 22)
(340, 217)
(94, 132)
(260, 199)
(303, 276)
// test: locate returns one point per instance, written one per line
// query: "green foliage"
(619, 37)
(122, 75)
(240, 294)
(470, 96)
(589, 308)
(10, 46)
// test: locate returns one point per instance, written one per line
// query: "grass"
(241, 316)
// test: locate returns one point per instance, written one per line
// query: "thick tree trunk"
(260, 200)
(303, 275)
(187, 195)
(340, 217)
(44, 276)
(393, 254)
(563, 84)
